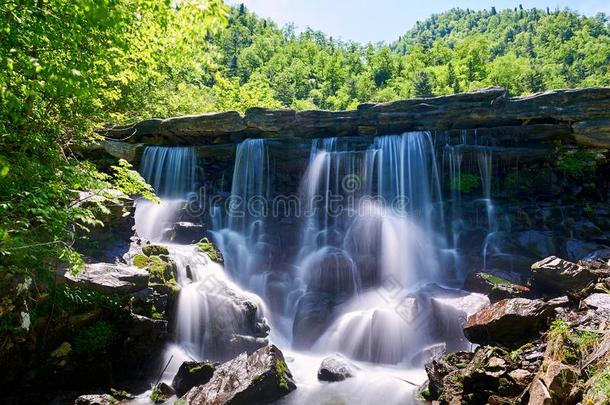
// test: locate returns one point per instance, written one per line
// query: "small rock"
(508, 322)
(95, 400)
(521, 377)
(560, 276)
(161, 393)
(190, 374)
(335, 369)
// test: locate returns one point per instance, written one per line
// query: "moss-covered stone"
(140, 261)
(211, 250)
(155, 250)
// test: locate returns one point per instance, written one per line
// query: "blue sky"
(385, 20)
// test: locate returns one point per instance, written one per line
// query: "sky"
(385, 20)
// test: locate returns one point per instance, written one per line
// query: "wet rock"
(538, 242)
(578, 249)
(104, 399)
(161, 393)
(508, 322)
(335, 368)
(428, 354)
(108, 278)
(332, 272)
(495, 287)
(249, 344)
(191, 374)
(313, 315)
(260, 378)
(187, 232)
(560, 276)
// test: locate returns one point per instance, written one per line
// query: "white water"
(377, 256)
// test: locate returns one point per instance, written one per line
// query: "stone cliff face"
(580, 115)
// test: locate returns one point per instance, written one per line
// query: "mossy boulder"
(494, 286)
(155, 250)
(190, 374)
(211, 250)
(260, 378)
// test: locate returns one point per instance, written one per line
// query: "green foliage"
(599, 392)
(129, 182)
(466, 183)
(66, 68)
(577, 163)
(95, 339)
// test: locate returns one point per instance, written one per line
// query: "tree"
(422, 84)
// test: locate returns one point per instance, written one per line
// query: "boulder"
(104, 399)
(187, 232)
(556, 275)
(108, 278)
(599, 302)
(509, 322)
(154, 250)
(259, 378)
(495, 287)
(191, 374)
(335, 368)
(313, 315)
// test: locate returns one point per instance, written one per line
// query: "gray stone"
(599, 301)
(261, 378)
(508, 322)
(109, 278)
(104, 399)
(335, 368)
(560, 276)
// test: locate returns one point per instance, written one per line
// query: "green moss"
(155, 250)
(157, 396)
(466, 183)
(256, 378)
(210, 249)
(140, 261)
(495, 280)
(199, 367)
(180, 402)
(281, 370)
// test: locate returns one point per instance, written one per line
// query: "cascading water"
(172, 171)
(373, 237)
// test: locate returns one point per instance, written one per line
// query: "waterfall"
(170, 170)
(244, 238)
(377, 254)
(172, 173)
(372, 242)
